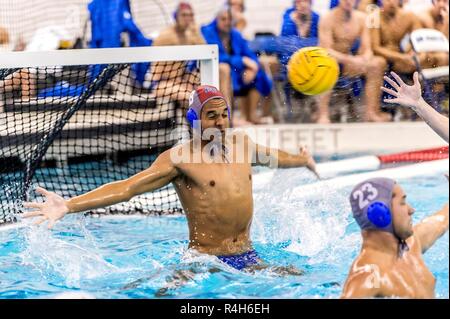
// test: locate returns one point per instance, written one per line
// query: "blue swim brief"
(242, 261)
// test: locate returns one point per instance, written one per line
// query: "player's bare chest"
(394, 30)
(218, 175)
(347, 31)
(411, 278)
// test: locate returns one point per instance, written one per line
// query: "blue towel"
(109, 19)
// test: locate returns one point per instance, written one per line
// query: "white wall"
(23, 17)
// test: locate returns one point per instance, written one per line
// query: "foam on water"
(134, 257)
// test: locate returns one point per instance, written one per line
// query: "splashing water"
(134, 257)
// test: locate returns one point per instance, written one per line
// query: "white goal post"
(207, 55)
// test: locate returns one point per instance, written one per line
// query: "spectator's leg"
(178, 92)
(225, 81)
(271, 66)
(404, 67)
(434, 89)
(21, 80)
(27, 84)
(266, 105)
(374, 80)
(253, 100)
(324, 113)
(373, 72)
(244, 107)
(248, 105)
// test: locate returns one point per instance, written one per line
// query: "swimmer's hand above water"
(405, 95)
(53, 209)
(158, 175)
(411, 96)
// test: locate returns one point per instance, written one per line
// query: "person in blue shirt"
(300, 20)
(300, 29)
(249, 81)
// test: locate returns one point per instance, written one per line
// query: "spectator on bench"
(23, 80)
(436, 17)
(301, 21)
(177, 79)
(395, 24)
(249, 81)
(339, 30)
(300, 28)
(4, 36)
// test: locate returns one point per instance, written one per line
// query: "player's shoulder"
(409, 15)
(367, 263)
(372, 262)
(176, 153)
(364, 280)
(328, 17)
(425, 18)
(361, 16)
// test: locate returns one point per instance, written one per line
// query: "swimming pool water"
(131, 257)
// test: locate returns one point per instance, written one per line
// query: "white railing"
(206, 54)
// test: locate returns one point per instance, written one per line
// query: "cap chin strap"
(402, 244)
(380, 215)
(225, 151)
(402, 247)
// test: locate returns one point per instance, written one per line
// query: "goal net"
(73, 120)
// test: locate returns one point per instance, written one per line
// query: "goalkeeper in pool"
(212, 176)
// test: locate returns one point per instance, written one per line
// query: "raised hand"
(53, 209)
(405, 95)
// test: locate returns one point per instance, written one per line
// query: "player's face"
(441, 5)
(401, 214)
(185, 18)
(347, 5)
(303, 6)
(224, 21)
(391, 5)
(215, 116)
(237, 5)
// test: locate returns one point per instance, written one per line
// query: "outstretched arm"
(432, 228)
(161, 173)
(411, 96)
